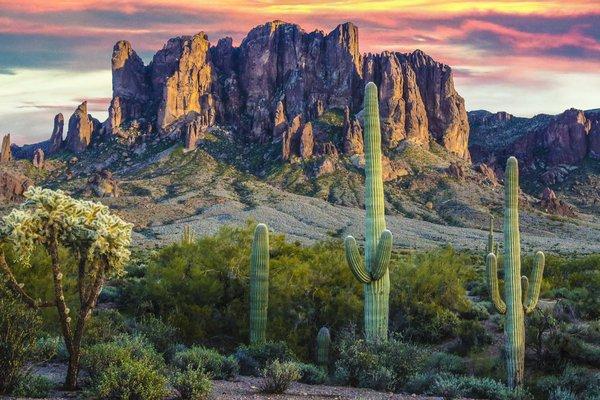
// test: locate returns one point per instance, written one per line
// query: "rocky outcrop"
(103, 184)
(542, 143)
(13, 185)
(456, 171)
(549, 203)
(307, 143)
(193, 131)
(56, 139)
(488, 174)
(182, 80)
(131, 90)
(81, 128)
(280, 72)
(38, 160)
(5, 151)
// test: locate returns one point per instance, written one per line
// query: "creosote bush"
(277, 377)
(193, 384)
(208, 360)
(254, 358)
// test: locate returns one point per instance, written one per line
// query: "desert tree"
(98, 240)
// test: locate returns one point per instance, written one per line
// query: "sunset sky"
(524, 57)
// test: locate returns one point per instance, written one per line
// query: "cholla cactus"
(323, 345)
(188, 236)
(259, 284)
(99, 240)
(374, 272)
(515, 285)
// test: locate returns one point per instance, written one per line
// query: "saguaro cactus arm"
(382, 255)
(354, 260)
(533, 289)
(491, 264)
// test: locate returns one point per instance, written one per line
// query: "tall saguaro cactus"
(374, 272)
(259, 284)
(187, 236)
(515, 285)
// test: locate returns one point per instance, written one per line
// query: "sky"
(521, 56)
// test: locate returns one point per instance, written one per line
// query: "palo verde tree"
(98, 240)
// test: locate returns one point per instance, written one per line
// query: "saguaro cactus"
(323, 345)
(492, 246)
(374, 272)
(514, 308)
(259, 284)
(187, 237)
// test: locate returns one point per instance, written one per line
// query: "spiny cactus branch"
(382, 255)
(354, 260)
(533, 291)
(492, 279)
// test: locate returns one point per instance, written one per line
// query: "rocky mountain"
(214, 132)
(561, 151)
(270, 89)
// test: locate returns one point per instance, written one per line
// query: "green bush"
(18, 329)
(161, 335)
(471, 334)
(583, 383)
(384, 366)
(444, 362)
(208, 360)
(34, 386)
(312, 374)
(104, 326)
(279, 376)
(451, 386)
(562, 394)
(202, 290)
(100, 357)
(254, 358)
(193, 384)
(109, 294)
(46, 348)
(129, 380)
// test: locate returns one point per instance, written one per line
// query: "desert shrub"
(201, 289)
(100, 357)
(562, 394)
(161, 335)
(537, 325)
(192, 384)
(429, 293)
(452, 386)
(109, 294)
(254, 358)
(574, 279)
(33, 386)
(129, 380)
(561, 347)
(208, 360)
(104, 326)
(46, 348)
(580, 382)
(472, 333)
(18, 329)
(384, 366)
(445, 362)
(312, 374)
(478, 311)
(279, 376)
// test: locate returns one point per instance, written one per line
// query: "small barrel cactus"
(259, 284)
(373, 272)
(515, 285)
(323, 345)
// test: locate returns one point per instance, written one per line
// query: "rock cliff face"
(5, 151)
(543, 142)
(81, 127)
(56, 138)
(280, 73)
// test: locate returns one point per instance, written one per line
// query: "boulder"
(550, 204)
(13, 184)
(456, 171)
(103, 184)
